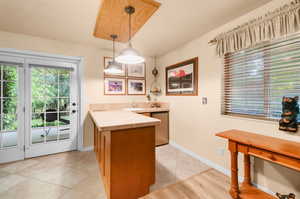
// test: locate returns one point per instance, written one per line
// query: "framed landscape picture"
(106, 62)
(182, 78)
(136, 70)
(136, 86)
(114, 86)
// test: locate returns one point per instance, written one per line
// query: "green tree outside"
(50, 90)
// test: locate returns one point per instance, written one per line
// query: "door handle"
(74, 111)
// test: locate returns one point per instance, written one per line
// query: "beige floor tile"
(173, 165)
(188, 166)
(10, 181)
(68, 179)
(18, 166)
(91, 185)
(164, 175)
(45, 172)
(60, 158)
(166, 157)
(3, 174)
(166, 153)
(81, 195)
(34, 189)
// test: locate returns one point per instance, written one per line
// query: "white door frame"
(17, 152)
(79, 61)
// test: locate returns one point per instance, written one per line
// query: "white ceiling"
(176, 21)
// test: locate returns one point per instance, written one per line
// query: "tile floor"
(76, 175)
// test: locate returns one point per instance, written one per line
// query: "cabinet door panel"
(102, 154)
(107, 164)
(162, 130)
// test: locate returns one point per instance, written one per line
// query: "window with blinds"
(256, 79)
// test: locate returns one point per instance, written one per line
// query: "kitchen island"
(124, 143)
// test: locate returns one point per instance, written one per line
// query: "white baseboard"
(89, 148)
(216, 166)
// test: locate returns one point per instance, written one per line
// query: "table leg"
(234, 191)
(247, 170)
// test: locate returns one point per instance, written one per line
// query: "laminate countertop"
(121, 119)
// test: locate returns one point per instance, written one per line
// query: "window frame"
(265, 117)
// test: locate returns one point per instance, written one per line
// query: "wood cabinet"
(161, 130)
(127, 161)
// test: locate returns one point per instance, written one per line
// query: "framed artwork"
(106, 62)
(136, 70)
(136, 86)
(182, 78)
(114, 86)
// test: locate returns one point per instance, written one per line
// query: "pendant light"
(130, 55)
(113, 67)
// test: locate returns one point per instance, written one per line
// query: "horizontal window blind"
(256, 79)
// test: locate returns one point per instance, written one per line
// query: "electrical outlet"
(221, 151)
(204, 100)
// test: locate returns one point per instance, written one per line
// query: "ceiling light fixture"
(130, 55)
(113, 66)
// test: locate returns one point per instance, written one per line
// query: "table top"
(284, 147)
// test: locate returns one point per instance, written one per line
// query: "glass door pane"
(8, 105)
(50, 100)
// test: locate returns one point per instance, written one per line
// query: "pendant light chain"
(114, 49)
(114, 37)
(129, 28)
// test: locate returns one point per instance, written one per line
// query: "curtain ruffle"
(281, 22)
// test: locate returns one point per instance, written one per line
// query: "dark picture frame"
(182, 78)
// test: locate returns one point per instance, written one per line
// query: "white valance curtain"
(283, 21)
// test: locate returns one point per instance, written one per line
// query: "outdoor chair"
(51, 116)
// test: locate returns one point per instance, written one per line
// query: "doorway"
(38, 106)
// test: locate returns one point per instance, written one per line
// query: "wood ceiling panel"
(112, 18)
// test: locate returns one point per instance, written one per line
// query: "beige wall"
(93, 69)
(193, 125)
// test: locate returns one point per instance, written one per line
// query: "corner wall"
(93, 70)
(193, 125)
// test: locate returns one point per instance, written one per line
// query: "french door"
(51, 116)
(11, 113)
(38, 112)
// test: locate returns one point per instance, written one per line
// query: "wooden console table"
(283, 152)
